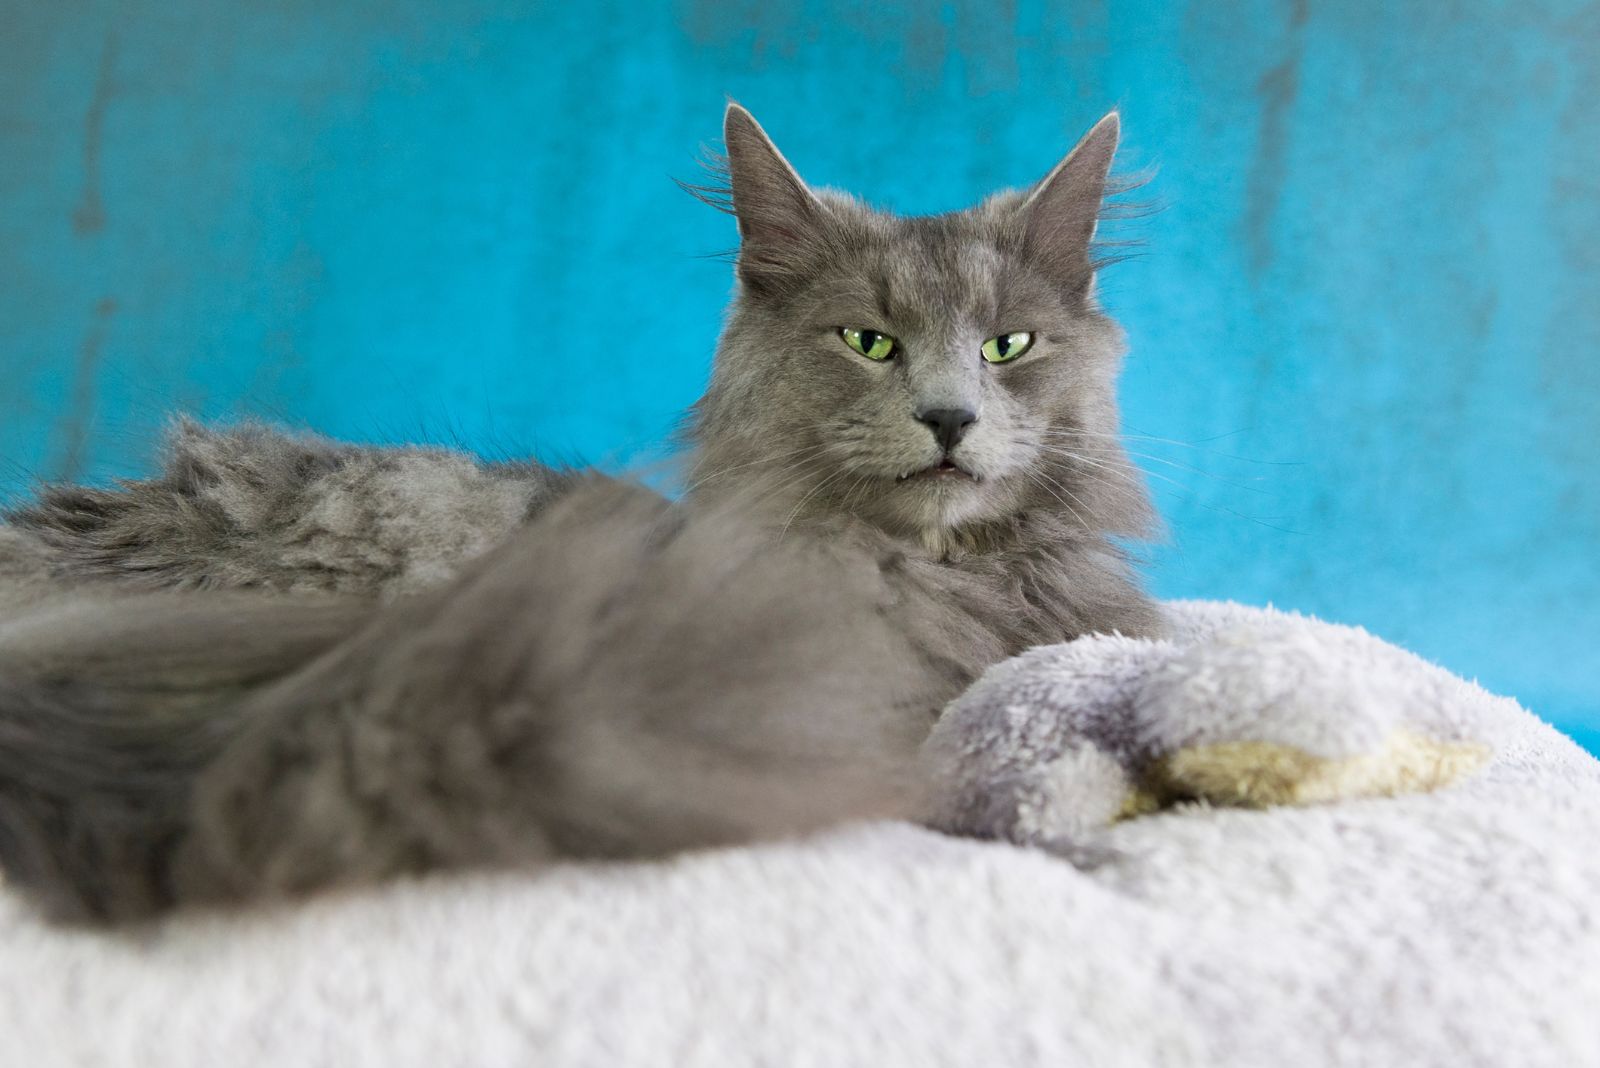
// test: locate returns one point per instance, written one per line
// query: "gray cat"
(255, 676)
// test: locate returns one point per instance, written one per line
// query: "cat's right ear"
(778, 215)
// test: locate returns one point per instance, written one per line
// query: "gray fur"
(110, 709)
(621, 676)
(789, 400)
(253, 508)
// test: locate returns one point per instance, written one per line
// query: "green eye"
(1007, 346)
(870, 343)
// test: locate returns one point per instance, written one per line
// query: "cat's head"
(937, 375)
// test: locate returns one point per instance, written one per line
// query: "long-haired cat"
(905, 469)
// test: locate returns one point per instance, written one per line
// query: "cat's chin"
(935, 498)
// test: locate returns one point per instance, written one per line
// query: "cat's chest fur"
(998, 591)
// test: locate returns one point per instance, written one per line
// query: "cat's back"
(252, 507)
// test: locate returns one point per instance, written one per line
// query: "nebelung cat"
(229, 683)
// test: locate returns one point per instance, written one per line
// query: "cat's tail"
(622, 678)
(110, 708)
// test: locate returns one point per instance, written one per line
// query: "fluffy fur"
(623, 676)
(256, 509)
(620, 678)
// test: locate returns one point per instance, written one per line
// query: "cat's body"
(904, 470)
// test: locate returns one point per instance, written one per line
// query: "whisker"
(810, 494)
(1151, 439)
(793, 454)
(1039, 480)
(1187, 492)
(753, 496)
(1079, 452)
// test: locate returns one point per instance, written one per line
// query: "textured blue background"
(1369, 313)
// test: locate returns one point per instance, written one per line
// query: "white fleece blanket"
(1456, 927)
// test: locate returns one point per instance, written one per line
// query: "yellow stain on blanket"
(1259, 774)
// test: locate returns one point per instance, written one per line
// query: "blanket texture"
(1262, 840)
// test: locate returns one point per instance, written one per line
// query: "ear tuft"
(1061, 212)
(778, 215)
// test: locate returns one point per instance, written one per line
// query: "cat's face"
(926, 374)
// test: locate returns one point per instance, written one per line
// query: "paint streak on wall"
(89, 217)
(79, 414)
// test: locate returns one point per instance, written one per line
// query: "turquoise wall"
(1367, 317)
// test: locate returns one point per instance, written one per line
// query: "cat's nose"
(948, 424)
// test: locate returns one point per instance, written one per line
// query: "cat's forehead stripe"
(932, 273)
(981, 266)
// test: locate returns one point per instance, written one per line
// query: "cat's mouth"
(944, 469)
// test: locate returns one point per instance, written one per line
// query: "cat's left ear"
(1061, 212)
